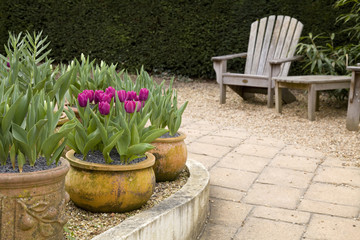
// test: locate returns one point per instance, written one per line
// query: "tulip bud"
(104, 108)
(110, 91)
(90, 94)
(138, 106)
(82, 99)
(130, 106)
(8, 64)
(121, 95)
(106, 98)
(98, 96)
(143, 94)
(131, 95)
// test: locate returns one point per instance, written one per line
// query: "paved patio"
(262, 188)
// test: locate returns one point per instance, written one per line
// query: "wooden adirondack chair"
(271, 49)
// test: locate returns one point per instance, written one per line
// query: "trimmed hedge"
(179, 36)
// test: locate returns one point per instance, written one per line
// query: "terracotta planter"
(170, 155)
(32, 205)
(109, 188)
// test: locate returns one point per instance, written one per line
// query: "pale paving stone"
(192, 135)
(335, 162)
(231, 178)
(218, 232)
(333, 228)
(234, 133)
(265, 141)
(203, 125)
(281, 215)
(219, 140)
(226, 193)
(256, 150)
(220, 210)
(273, 195)
(328, 208)
(263, 229)
(295, 162)
(207, 161)
(285, 177)
(244, 162)
(338, 176)
(302, 151)
(329, 193)
(207, 149)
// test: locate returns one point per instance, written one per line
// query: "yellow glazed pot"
(170, 157)
(109, 188)
(33, 204)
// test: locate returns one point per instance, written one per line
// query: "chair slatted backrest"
(272, 37)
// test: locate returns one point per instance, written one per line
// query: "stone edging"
(181, 216)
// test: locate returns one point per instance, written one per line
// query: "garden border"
(181, 216)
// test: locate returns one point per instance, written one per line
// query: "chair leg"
(270, 98)
(222, 93)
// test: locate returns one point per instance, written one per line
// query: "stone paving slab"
(263, 229)
(285, 177)
(333, 228)
(242, 162)
(265, 141)
(335, 194)
(280, 214)
(221, 209)
(220, 140)
(305, 164)
(218, 232)
(256, 150)
(263, 188)
(232, 178)
(328, 208)
(338, 176)
(207, 161)
(226, 193)
(302, 151)
(273, 195)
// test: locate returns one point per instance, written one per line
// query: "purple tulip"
(110, 91)
(98, 96)
(121, 95)
(131, 95)
(106, 98)
(82, 99)
(104, 108)
(8, 64)
(90, 95)
(143, 94)
(130, 106)
(138, 106)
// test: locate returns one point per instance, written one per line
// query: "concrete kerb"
(181, 216)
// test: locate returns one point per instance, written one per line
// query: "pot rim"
(76, 162)
(171, 139)
(30, 178)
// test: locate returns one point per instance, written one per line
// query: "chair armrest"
(354, 68)
(227, 57)
(283, 60)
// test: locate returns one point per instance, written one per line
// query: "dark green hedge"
(163, 35)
